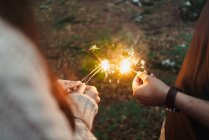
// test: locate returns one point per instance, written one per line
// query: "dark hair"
(19, 14)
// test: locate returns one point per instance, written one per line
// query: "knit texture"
(28, 111)
(84, 108)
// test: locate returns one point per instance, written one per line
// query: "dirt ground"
(68, 28)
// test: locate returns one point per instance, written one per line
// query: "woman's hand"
(149, 90)
(92, 92)
(71, 86)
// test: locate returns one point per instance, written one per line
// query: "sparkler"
(93, 75)
(110, 66)
(93, 71)
(93, 48)
(125, 65)
(103, 66)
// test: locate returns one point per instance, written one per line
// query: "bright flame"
(105, 65)
(142, 62)
(125, 65)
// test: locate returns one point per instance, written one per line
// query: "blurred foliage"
(87, 65)
(71, 19)
(175, 54)
(191, 9)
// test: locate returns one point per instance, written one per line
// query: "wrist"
(170, 101)
(165, 92)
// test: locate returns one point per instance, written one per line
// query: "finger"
(98, 99)
(88, 87)
(138, 91)
(143, 76)
(152, 75)
(82, 88)
(72, 84)
(75, 88)
(69, 91)
(92, 88)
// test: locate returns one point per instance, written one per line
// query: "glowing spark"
(135, 61)
(93, 48)
(142, 62)
(125, 65)
(105, 65)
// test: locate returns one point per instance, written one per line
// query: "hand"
(80, 89)
(69, 86)
(92, 92)
(149, 90)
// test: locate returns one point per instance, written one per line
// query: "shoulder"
(15, 48)
(25, 88)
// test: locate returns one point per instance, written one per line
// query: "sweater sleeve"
(84, 110)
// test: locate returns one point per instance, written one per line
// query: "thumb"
(82, 88)
(143, 76)
(136, 82)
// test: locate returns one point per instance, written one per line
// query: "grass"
(71, 19)
(128, 117)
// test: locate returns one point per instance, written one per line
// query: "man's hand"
(149, 90)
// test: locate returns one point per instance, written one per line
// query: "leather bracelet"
(170, 99)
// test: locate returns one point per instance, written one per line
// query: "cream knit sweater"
(28, 111)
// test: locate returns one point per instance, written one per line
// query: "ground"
(68, 28)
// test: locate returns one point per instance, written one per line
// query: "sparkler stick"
(135, 42)
(93, 75)
(133, 70)
(91, 72)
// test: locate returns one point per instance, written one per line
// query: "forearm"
(196, 108)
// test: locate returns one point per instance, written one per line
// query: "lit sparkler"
(111, 66)
(105, 65)
(125, 66)
(93, 48)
